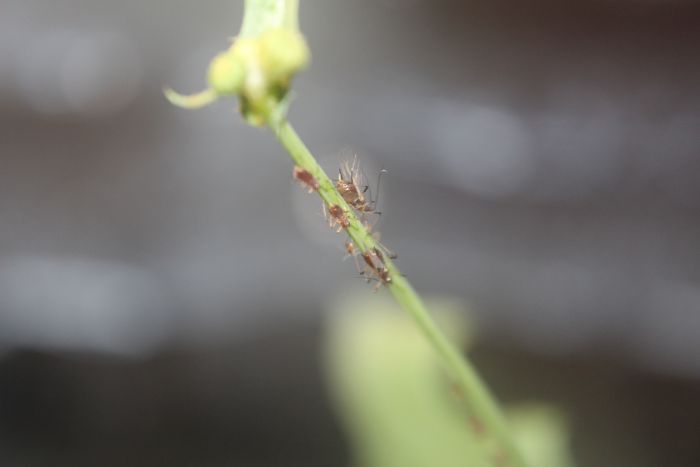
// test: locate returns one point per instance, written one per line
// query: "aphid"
(350, 185)
(373, 269)
(336, 215)
(384, 277)
(305, 179)
(376, 269)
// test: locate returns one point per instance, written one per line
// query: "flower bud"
(226, 74)
(283, 52)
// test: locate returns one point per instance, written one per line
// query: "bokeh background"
(164, 284)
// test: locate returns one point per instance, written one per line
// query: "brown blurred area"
(162, 278)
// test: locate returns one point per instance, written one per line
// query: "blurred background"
(165, 286)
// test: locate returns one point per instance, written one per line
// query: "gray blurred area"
(161, 276)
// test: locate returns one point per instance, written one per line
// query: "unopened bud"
(226, 74)
(283, 52)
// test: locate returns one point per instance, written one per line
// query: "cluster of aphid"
(351, 187)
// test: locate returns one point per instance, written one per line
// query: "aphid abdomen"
(337, 216)
(375, 268)
(349, 193)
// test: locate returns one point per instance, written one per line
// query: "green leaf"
(395, 399)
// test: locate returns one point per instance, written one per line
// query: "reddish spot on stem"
(477, 426)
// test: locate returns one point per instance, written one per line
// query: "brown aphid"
(305, 179)
(336, 216)
(351, 187)
(369, 261)
(349, 183)
(381, 276)
(375, 268)
(384, 276)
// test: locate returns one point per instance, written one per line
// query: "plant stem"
(261, 97)
(480, 402)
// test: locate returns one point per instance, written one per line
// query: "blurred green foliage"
(397, 405)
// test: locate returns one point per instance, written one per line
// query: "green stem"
(479, 400)
(263, 16)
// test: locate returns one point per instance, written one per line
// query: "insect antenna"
(379, 183)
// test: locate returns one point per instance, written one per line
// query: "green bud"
(247, 51)
(283, 52)
(226, 74)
